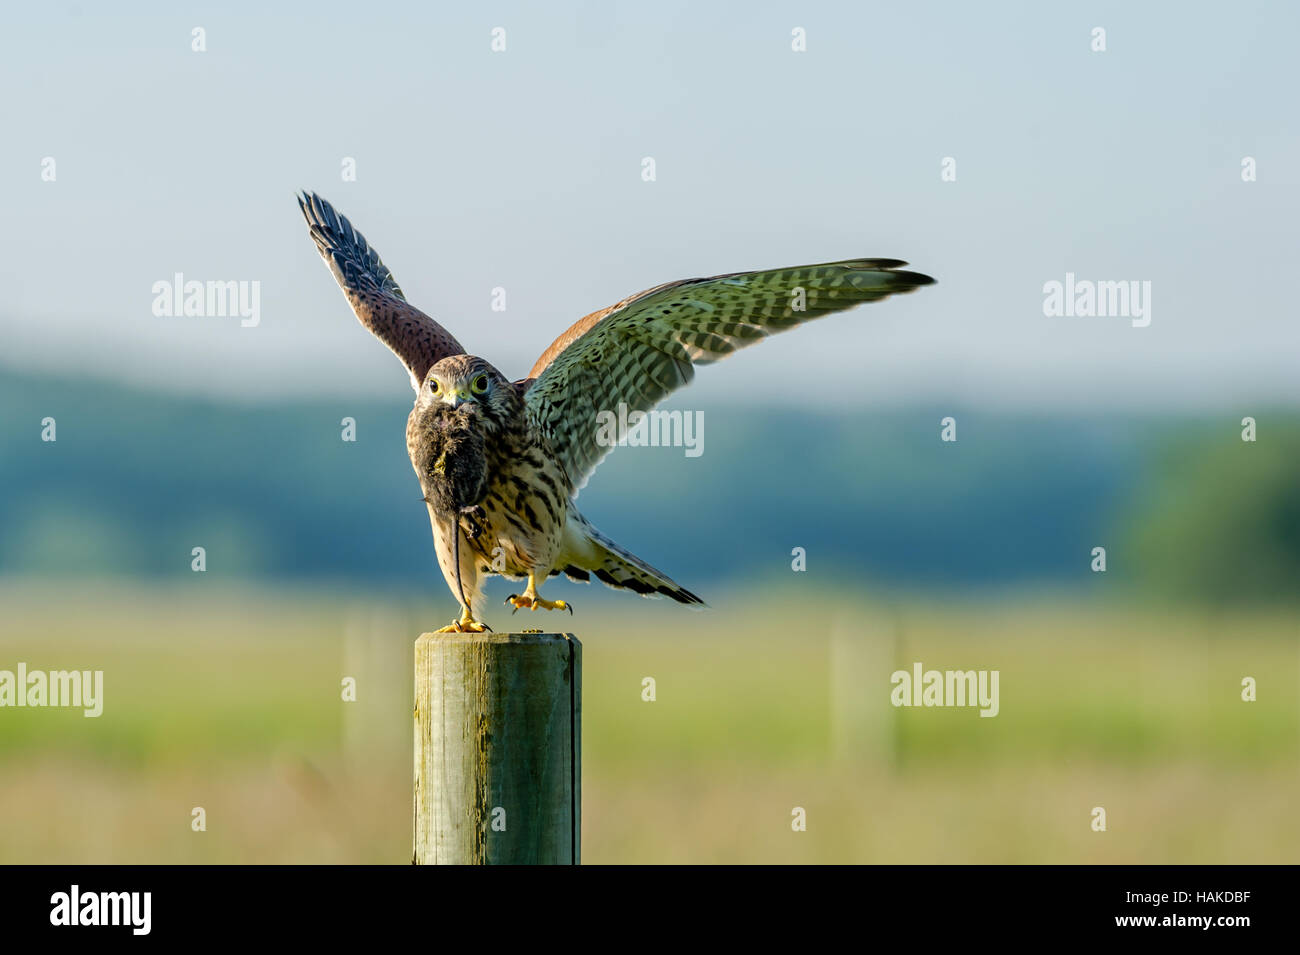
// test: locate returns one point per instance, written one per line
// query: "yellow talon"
(531, 601)
(466, 624)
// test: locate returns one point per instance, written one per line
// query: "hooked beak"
(457, 398)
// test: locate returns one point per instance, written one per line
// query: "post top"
(492, 637)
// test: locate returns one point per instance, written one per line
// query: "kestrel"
(544, 434)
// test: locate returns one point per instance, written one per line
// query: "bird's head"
(472, 385)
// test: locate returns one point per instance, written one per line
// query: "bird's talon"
(526, 601)
(530, 601)
(464, 626)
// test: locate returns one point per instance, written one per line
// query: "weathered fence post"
(498, 748)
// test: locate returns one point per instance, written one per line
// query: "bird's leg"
(530, 600)
(466, 623)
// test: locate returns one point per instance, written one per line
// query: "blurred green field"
(230, 700)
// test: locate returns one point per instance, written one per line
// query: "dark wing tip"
(874, 264)
(916, 279)
(682, 596)
(323, 217)
(893, 266)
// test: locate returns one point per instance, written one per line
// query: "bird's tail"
(597, 556)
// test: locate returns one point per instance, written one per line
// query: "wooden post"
(498, 748)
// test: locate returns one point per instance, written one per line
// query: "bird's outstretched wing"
(373, 293)
(645, 347)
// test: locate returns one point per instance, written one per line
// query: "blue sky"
(522, 169)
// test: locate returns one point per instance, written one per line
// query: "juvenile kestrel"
(542, 435)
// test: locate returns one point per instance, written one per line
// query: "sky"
(523, 169)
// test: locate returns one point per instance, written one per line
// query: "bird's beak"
(457, 398)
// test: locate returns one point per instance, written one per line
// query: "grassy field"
(231, 701)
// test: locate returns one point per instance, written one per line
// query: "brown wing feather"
(580, 327)
(373, 293)
(642, 349)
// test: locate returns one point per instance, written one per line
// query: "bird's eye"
(433, 386)
(479, 384)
